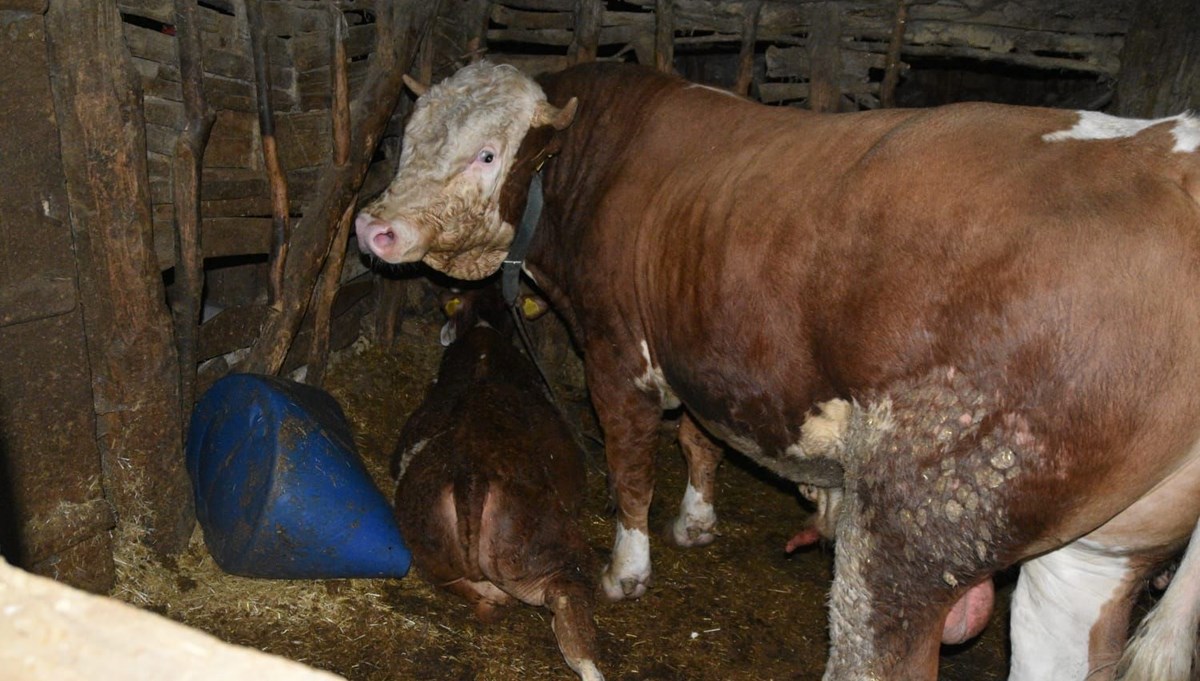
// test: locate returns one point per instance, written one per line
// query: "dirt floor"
(738, 609)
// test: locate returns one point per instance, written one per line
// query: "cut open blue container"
(280, 489)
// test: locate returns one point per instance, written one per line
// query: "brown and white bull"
(1007, 298)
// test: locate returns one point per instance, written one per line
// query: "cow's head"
(460, 147)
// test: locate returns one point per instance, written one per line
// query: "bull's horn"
(418, 88)
(548, 114)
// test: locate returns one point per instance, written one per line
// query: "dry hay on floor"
(739, 609)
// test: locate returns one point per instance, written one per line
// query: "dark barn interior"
(196, 167)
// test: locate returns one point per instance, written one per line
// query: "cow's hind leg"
(1069, 614)
(1164, 647)
(697, 520)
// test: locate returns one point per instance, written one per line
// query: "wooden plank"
(220, 238)
(516, 18)
(131, 351)
(745, 72)
(235, 142)
(542, 5)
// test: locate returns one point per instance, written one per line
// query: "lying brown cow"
(491, 481)
(1009, 298)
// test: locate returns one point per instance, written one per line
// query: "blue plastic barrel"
(280, 489)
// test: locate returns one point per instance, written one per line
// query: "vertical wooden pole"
(825, 58)
(280, 213)
(589, 14)
(891, 69)
(664, 35)
(135, 369)
(186, 171)
(331, 275)
(398, 29)
(745, 74)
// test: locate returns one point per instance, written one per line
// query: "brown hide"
(772, 258)
(492, 481)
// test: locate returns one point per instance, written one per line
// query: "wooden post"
(746, 56)
(331, 275)
(280, 213)
(664, 35)
(891, 69)
(135, 370)
(186, 171)
(399, 27)
(589, 14)
(477, 14)
(1160, 62)
(825, 58)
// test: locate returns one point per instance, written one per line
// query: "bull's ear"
(548, 114)
(418, 88)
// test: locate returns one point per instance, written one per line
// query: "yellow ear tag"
(530, 308)
(452, 306)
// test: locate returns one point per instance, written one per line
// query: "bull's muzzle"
(394, 241)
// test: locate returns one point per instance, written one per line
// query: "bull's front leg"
(697, 520)
(630, 416)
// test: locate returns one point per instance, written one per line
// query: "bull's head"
(460, 146)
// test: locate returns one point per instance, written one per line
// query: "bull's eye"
(487, 156)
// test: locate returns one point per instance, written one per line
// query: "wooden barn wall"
(839, 47)
(91, 410)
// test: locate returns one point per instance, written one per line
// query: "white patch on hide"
(822, 432)
(407, 456)
(1093, 125)
(720, 91)
(696, 513)
(652, 380)
(1058, 599)
(630, 564)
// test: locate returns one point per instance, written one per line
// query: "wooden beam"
(891, 69)
(825, 56)
(331, 274)
(400, 25)
(280, 213)
(586, 42)
(746, 54)
(135, 371)
(186, 171)
(664, 36)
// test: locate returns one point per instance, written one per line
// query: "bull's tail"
(1165, 645)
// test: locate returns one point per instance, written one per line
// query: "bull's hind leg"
(924, 524)
(697, 520)
(1164, 646)
(1065, 604)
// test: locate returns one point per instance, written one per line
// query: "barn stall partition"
(193, 167)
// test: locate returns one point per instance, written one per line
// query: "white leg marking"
(697, 517)
(588, 672)
(629, 572)
(1057, 601)
(1164, 646)
(1093, 125)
